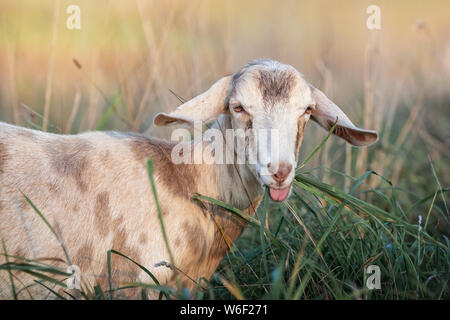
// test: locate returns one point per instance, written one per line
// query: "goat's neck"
(237, 184)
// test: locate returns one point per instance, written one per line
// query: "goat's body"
(94, 190)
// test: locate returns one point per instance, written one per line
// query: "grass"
(328, 237)
(328, 245)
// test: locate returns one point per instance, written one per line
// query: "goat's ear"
(326, 113)
(205, 107)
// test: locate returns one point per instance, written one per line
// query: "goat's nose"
(282, 173)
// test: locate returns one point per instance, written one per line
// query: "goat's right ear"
(327, 113)
(205, 107)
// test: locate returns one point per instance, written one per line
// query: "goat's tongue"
(279, 194)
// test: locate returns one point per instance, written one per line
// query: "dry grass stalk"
(12, 86)
(73, 113)
(49, 82)
(156, 50)
(368, 100)
(326, 88)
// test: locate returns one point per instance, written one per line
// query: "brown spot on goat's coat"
(300, 133)
(101, 213)
(196, 239)
(53, 187)
(231, 169)
(3, 157)
(178, 242)
(180, 179)
(120, 244)
(84, 255)
(164, 210)
(276, 85)
(143, 238)
(123, 271)
(249, 125)
(69, 157)
(19, 253)
(22, 203)
(231, 226)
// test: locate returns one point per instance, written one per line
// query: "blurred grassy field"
(395, 80)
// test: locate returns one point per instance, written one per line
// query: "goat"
(93, 188)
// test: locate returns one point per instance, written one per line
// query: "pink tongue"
(279, 194)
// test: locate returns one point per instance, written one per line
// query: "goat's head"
(272, 102)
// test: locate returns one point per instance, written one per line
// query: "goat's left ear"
(205, 107)
(327, 113)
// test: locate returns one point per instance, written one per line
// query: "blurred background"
(117, 71)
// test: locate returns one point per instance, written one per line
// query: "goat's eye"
(309, 109)
(238, 109)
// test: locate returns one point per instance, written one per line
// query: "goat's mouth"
(279, 195)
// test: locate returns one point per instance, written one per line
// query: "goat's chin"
(279, 194)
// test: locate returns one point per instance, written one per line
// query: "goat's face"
(270, 103)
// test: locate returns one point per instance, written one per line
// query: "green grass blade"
(11, 279)
(241, 215)
(317, 148)
(51, 290)
(69, 261)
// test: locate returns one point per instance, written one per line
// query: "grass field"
(385, 205)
